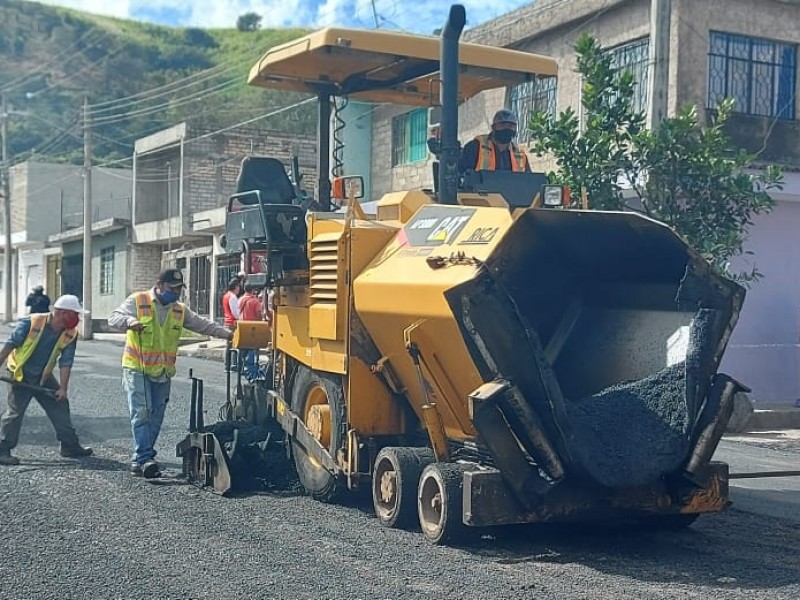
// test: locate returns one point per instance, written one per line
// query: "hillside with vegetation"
(138, 77)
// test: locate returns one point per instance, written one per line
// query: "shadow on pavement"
(38, 431)
(727, 551)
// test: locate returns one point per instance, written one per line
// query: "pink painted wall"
(764, 352)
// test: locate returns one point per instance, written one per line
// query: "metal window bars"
(760, 75)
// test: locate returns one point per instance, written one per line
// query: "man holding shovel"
(36, 345)
(154, 320)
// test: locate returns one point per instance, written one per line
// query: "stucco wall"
(48, 198)
(103, 304)
(764, 352)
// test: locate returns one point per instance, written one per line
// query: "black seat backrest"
(518, 188)
(267, 176)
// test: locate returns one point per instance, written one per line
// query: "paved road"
(88, 530)
(759, 452)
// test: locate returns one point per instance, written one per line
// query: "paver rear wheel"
(395, 480)
(440, 503)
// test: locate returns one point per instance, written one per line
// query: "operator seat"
(267, 219)
(266, 176)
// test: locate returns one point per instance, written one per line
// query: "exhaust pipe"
(448, 98)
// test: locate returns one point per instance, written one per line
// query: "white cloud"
(412, 15)
(118, 8)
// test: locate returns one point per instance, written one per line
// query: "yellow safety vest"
(19, 356)
(487, 158)
(154, 349)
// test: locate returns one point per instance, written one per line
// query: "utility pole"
(658, 73)
(5, 174)
(87, 221)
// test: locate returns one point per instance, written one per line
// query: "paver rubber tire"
(440, 503)
(395, 480)
(312, 388)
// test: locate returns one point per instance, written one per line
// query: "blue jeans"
(251, 364)
(147, 402)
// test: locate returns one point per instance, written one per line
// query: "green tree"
(686, 174)
(249, 21)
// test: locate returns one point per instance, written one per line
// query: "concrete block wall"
(385, 177)
(212, 163)
(18, 181)
(47, 198)
(143, 266)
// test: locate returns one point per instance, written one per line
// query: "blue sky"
(420, 16)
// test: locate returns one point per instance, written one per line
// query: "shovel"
(29, 386)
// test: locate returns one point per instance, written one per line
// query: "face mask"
(504, 136)
(70, 320)
(168, 296)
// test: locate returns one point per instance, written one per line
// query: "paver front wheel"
(317, 398)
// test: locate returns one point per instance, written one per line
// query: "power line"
(170, 88)
(80, 71)
(109, 163)
(244, 58)
(212, 91)
(57, 58)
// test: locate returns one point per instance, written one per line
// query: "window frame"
(744, 57)
(409, 143)
(634, 56)
(524, 99)
(107, 268)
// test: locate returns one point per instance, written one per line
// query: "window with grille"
(633, 57)
(538, 95)
(409, 137)
(758, 74)
(107, 270)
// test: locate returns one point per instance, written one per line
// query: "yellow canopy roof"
(384, 66)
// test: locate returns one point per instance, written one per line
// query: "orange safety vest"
(487, 156)
(154, 350)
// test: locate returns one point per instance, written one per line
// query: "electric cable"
(212, 91)
(59, 58)
(171, 88)
(339, 104)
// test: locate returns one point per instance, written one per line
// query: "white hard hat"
(69, 302)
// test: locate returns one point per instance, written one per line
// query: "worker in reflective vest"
(496, 151)
(154, 320)
(37, 344)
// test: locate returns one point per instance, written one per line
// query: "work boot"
(151, 470)
(75, 451)
(7, 459)
(136, 469)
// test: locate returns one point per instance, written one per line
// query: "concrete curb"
(773, 420)
(217, 354)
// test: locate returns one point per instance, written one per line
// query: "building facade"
(717, 48)
(111, 244)
(47, 201)
(183, 178)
